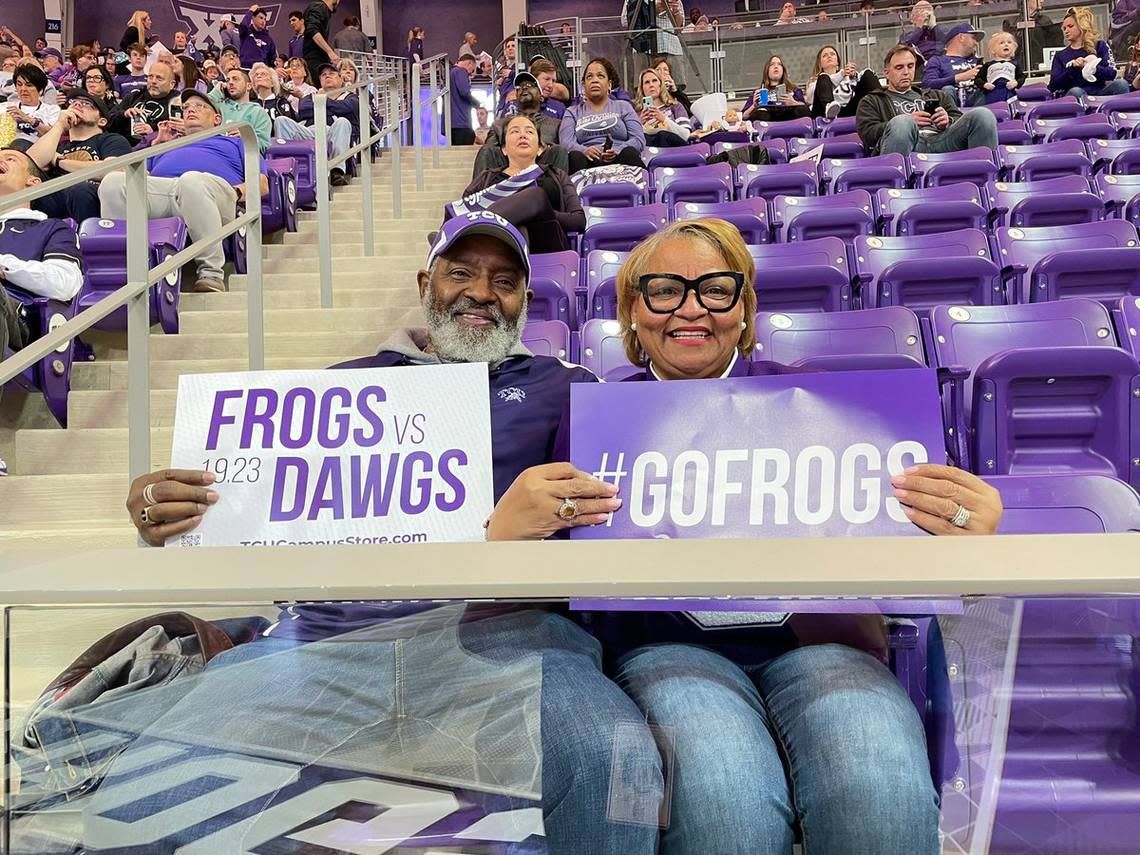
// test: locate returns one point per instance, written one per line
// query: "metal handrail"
(363, 86)
(140, 276)
(432, 63)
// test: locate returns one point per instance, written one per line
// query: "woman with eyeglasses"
(1084, 66)
(98, 83)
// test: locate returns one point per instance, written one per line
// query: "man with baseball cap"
(342, 112)
(954, 71)
(528, 100)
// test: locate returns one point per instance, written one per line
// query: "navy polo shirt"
(38, 239)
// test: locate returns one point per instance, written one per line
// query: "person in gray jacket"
(351, 38)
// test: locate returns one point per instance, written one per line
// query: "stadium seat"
(787, 179)
(848, 145)
(785, 130)
(975, 165)
(1113, 103)
(550, 300)
(1031, 111)
(1118, 157)
(1057, 201)
(602, 267)
(603, 350)
(621, 228)
(788, 338)
(1126, 315)
(867, 173)
(1092, 126)
(927, 210)
(777, 150)
(837, 127)
(547, 338)
(841, 215)
(1126, 124)
(1047, 160)
(304, 155)
(279, 206)
(1099, 260)
(1121, 195)
(693, 184)
(50, 375)
(1013, 132)
(617, 194)
(1000, 109)
(805, 276)
(750, 216)
(685, 155)
(923, 271)
(1066, 504)
(1048, 391)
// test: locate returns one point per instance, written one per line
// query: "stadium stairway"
(67, 487)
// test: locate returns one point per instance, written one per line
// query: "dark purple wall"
(445, 21)
(25, 17)
(550, 10)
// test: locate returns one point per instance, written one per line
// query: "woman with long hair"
(138, 31)
(1085, 65)
(785, 98)
(834, 89)
(665, 121)
(189, 75)
(416, 44)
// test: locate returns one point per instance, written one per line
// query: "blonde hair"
(136, 21)
(1090, 35)
(721, 236)
(993, 40)
(348, 63)
(666, 98)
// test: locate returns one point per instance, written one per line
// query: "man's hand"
(921, 118)
(180, 498)
(940, 119)
(609, 156)
(989, 87)
(963, 76)
(141, 129)
(253, 8)
(334, 57)
(169, 130)
(1012, 84)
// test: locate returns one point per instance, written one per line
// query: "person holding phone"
(587, 124)
(906, 118)
(785, 98)
(665, 121)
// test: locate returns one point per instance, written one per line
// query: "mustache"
(464, 304)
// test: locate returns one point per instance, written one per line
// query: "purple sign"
(779, 456)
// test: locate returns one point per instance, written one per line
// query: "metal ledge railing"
(439, 74)
(135, 295)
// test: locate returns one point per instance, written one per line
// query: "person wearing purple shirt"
(297, 40)
(256, 43)
(135, 78)
(462, 101)
(598, 118)
(1085, 65)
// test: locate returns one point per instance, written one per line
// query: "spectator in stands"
(470, 45)
(347, 69)
(1131, 72)
(297, 84)
(665, 121)
(416, 44)
(317, 51)
(97, 83)
(134, 80)
(137, 32)
(898, 118)
(528, 102)
(788, 15)
(669, 20)
(210, 72)
(190, 77)
(999, 77)
(1085, 65)
(785, 98)
(600, 129)
(110, 64)
(297, 39)
(482, 125)
(231, 37)
(505, 77)
(1044, 33)
(141, 113)
(34, 116)
(233, 102)
(542, 70)
(184, 47)
(664, 69)
(201, 183)
(463, 102)
(834, 91)
(954, 71)
(927, 38)
(51, 61)
(342, 113)
(88, 143)
(351, 38)
(256, 42)
(228, 58)
(279, 63)
(267, 92)
(540, 200)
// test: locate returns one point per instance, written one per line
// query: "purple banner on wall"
(780, 456)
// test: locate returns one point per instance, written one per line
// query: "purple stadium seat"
(1047, 160)
(1012, 132)
(1054, 108)
(1126, 315)
(788, 338)
(722, 147)
(1126, 124)
(777, 150)
(1118, 157)
(617, 194)
(1057, 201)
(975, 165)
(1031, 94)
(601, 270)
(304, 154)
(694, 184)
(547, 338)
(1066, 504)
(1000, 109)
(786, 179)
(51, 375)
(686, 155)
(1092, 126)
(927, 210)
(922, 271)
(1121, 195)
(603, 351)
(867, 173)
(1098, 260)
(279, 206)
(621, 228)
(836, 127)
(750, 216)
(785, 130)
(1048, 389)
(1127, 101)
(104, 247)
(807, 276)
(848, 145)
(841, 215)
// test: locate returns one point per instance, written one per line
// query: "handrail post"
(138, 323)
(417, 128)
(254, 294)
(434, 117)
(445, 90)
(324, 214)
(364, 100)
(394, 108)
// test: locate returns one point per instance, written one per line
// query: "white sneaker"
(3, 468)
(831, 111)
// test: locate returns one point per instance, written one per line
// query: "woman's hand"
(1079, 62)
(529, 509)
(594, 153)
(174, 505)
(931, 495)
(789, 99)
(850, 70)
(1011, 84)
(652, 116)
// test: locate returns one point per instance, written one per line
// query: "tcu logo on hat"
(472, 216)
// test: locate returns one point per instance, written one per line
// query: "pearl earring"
(743, 325)
(633, 326)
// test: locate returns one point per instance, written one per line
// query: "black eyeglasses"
(665, 293)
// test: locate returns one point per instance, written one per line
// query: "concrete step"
(344, 248)
(75, 537)
(302, 291)
(164, 374)
(278, 345)
(32, 501)
(107, 408)
(386, 314)
(378, 268)
(98, 451)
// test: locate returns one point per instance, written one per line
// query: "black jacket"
(568, 212)
(875, 110)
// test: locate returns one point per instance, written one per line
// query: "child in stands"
(1001, 74)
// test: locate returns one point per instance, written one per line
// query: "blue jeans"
(485, 707)
(974, 97)
(340, 133)
(1113, 87)
(975, 128)
(823, 738)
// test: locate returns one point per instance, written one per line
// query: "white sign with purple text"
(360, 456)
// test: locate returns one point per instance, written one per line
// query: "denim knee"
(902, 126)
(1077, 92)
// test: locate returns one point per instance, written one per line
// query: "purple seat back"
(304, 154)
(686, 155)
(1113, 103)
(621, 228)
(868, 173)
(1047, 160)
(927, 210)
(603, 351)
(279, 205)
(693, 184)
(561, 268)
(807, 276)
(785, 130)
(837, 127)
(1099, 260)
(847, 145)
(1121, 195)
(1053, 108)
(841, 215)
(51, 375)
(1091, 126)
(1126, 314)
(1000, 109)
(777, 150)
(602, 267)
(975, 165)
(1030, 95)
(1066, 504)
(922, 271)
(1059, 201)
(787, 179)
(616, 194)
(547, 338)
(1120, 157)
(1126, 124)
(750, 216)
(1013, 132)
(788, 338)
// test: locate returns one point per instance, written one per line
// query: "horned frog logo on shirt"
(512, 393)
